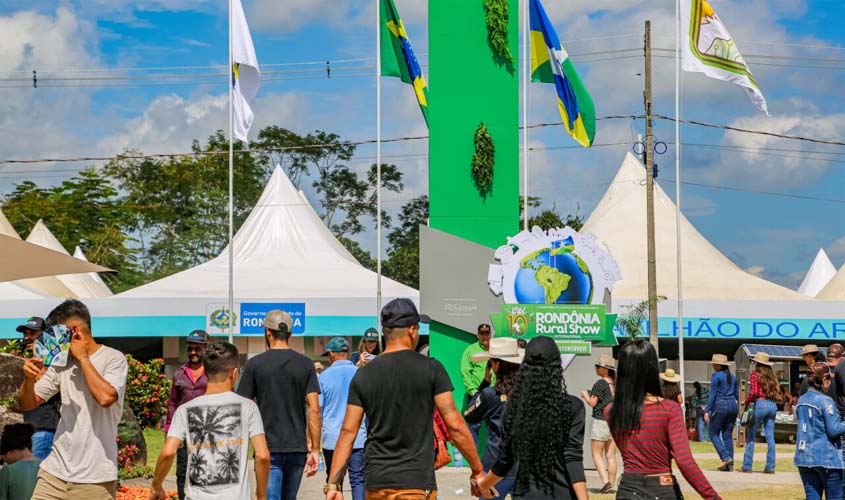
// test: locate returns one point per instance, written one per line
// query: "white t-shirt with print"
(216, 430)
(85, 446)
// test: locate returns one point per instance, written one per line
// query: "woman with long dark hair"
(650, 431)
(722, 409)
(543, 431)
(598, 398)
(489, 403)
(764, 394)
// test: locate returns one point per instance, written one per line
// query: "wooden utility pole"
(649, 165)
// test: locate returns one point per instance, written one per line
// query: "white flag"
(708, 48)
(246, 77)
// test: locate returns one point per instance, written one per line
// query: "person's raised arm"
(103, 391)
(27, 398)
(162, 468)
(343, 449)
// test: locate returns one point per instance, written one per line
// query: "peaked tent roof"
(619, 220)
(46, 286)
(818, 276)
(282, 251)
(82, 285)
(835, 288)
(91, 281)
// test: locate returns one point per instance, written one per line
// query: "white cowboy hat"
(503, 349)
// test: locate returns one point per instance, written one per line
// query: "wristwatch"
(332, 487)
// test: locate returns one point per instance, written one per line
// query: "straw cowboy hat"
(720, 359)
(670, 376)
(503, 349)
(809, 349)
(606, 362)
(761, 358)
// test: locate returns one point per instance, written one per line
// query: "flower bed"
(139, 493)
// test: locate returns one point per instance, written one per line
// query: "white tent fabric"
(92, 281)
(619, 220)
(47, 286)
(818, 276)
(82, 285)
(282, 251)
(835, 288)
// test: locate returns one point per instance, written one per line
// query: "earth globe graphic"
(553, 275)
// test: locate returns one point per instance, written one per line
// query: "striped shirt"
(661, 437)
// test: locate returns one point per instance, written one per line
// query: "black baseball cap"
(401, 312)
(484, 328)
(33, 323)
(198, 337)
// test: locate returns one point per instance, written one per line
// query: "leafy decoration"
(631, 323)
(497, 31)
(483, 160)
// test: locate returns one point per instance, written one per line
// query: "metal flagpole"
(678, 191)
(378, 171)
(231, 191)
(525, 80)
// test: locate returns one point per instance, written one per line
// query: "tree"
(549, 218)
(403, 263)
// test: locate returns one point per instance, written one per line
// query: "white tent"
(47, 286)
(91, 281)
(283, 251)
(818, 276)
(835, 288)
(82, 285)
(619, 220)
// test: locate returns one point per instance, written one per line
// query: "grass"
(155, 442)
(707, 447)
(781, 464)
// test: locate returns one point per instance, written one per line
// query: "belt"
(648, 479)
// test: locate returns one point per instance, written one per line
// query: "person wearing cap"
(334, 392)
(398, 392)
(367, 349)
(670, 386)
(817, 453)
(44, 418)
(489, 403)
(603, 447)
(765, 394)
(811, 354)
(285, 387)
(473, 373)
(189, 382)
(722, 409)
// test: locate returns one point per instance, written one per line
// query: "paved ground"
(453, 483)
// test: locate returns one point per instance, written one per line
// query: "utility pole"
(649, 165)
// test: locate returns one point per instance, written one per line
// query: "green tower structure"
(469, 85)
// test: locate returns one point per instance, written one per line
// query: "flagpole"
(678, 191)
(378, 170)
(525, 27)
(231, 193)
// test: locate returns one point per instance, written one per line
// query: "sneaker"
(746, 471)
(768, 472)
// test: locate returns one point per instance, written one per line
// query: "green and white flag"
(708, 48)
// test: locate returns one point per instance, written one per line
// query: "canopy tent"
(835, 288)
(619, 220)
(284, 254)
(93, 280)
(26, 260)
(46, 286)
(818, 276)
(82, 285)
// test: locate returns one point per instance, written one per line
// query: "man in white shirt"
(83, 460)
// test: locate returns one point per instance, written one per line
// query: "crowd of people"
(382, 416)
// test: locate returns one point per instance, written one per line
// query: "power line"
(761, 192)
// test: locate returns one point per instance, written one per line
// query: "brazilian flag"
(397, 55)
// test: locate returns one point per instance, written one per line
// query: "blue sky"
(775, 236)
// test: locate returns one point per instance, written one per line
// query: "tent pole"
(378, 172)
(678, 192)
(231, 193)
(525, 79)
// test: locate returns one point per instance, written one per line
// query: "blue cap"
(337, 344)
(198, 337)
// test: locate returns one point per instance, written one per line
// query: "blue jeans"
(504, 487)
(764, 413)
(355, 467)
(42, 443)
(473, 430)
(818, 480)
(722, 420)
(285, 475)
(701, 426)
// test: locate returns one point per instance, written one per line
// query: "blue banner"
(752, 328)
(253, 314)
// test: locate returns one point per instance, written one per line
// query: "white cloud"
(290, 16)
(836, 252)
(756, 270)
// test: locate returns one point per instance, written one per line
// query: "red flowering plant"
(147, 390)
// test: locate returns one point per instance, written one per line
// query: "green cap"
(371, 334)
(337, 344)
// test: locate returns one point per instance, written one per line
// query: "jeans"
(473, 429)
(701, 425)
(181, 470)
(818, 480)
(764, 413)
(505, 487)
(285, 475)
(42, 443)
(639, 487)
(722, 421)
(355, 466)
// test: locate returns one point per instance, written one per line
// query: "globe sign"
(553, 275)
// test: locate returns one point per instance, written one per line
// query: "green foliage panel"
(468, 87)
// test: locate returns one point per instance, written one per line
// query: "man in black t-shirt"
(398, 392)
(281, 380)
(44, 418)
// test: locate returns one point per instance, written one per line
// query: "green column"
(467, 87)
